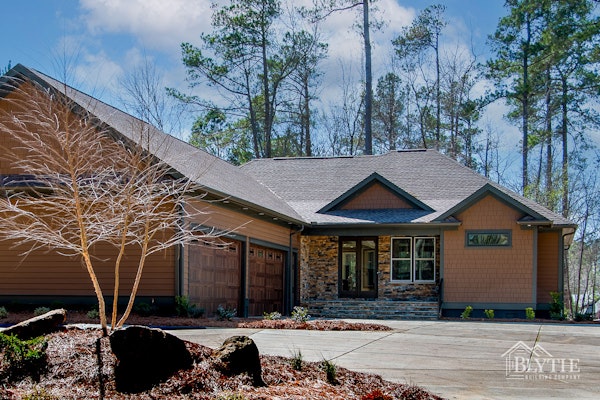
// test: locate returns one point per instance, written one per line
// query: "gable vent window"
(413, 259)
(488, 238)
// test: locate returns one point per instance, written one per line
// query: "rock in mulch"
(38, 326)
(145, 357)
(238, 355)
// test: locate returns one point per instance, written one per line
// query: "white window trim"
(413, 259)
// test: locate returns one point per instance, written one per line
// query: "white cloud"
(156, 24)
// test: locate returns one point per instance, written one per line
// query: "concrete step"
(374, 309)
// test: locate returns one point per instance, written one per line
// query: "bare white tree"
(78, 183)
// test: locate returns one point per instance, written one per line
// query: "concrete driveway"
(454, 359)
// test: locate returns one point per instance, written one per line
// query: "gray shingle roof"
(308, 184)
(297, 188)
(215, 175)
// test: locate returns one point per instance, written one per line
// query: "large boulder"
(146, 356)
(38, 326)
(238, 355)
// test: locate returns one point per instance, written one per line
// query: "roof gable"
(374, 193)
(487, 190)
(216, 176)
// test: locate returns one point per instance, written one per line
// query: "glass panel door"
(358, 268)
(349, 279)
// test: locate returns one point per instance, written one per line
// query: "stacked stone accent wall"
(319, 268)
(319, 281)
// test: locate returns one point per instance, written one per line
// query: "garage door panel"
(266, 280)
(215, 276)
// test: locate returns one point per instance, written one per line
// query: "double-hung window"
(413, 259)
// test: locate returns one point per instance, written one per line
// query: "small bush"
(93, 314)
(23, 357)
(330, 371)
(40, 311)
(376, 395)
(272, 316)
(3, 313)
(489, 314)
(300, 314)
(467, 313)
(226, 313)
(296, 360)
(144, 309)
(583, 317)
(529, 313)
(185, 309)
(557, 307)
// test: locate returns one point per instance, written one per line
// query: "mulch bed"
(72, 373)
(78, 317)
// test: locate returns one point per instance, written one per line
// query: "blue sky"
(101, 40)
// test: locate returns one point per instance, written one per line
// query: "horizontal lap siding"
(492, 274)
(50, 274)
(241, 224)
(548, 261)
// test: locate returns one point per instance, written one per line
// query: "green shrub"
(3, 312)
(41, 311)
(583, 317)
(144, 309)
(330, 371)
(272, 316)
(296, 360)
(93, 314)
(23, 357)
(557, 307)
(467, 313)
(183, 308)
(226, 313)
(300, 314)
(529, 313)
(489, 314)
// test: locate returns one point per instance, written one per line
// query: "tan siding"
(242, 224)
(6, 140)
(43, 273)
(547, 268)
(488, 275)
(375, 197)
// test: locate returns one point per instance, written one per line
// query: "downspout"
(289, 300)
(563, 267)
(180, 260)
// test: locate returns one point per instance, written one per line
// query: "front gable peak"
(530, 216)
(372, 193)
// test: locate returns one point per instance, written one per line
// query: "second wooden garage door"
(215, 278)
(266, 280)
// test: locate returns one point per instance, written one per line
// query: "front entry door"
(358, 267)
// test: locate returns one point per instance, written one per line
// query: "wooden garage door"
(215, 275)
(266, 280)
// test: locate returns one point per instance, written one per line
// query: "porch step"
(374, 309)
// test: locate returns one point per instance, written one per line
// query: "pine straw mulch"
(72, 373)
(78, 317)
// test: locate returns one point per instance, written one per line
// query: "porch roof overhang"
(377, 229)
